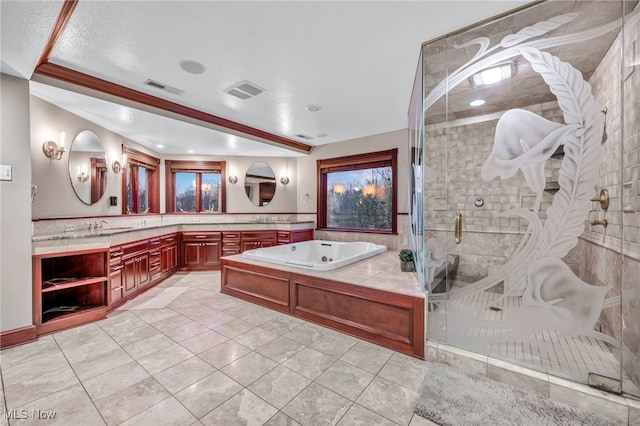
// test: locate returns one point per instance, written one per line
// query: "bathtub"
(317, 254)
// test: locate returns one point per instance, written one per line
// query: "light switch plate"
(5, 172)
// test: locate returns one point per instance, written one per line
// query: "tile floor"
(569, 357)
(184, 354)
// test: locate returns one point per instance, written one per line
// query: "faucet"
(98, 225)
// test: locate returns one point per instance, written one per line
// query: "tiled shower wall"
(488, 240)
(599, 252)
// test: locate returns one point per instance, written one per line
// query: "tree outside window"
(195, 187)
(358, 193)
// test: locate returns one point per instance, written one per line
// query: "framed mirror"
(260, 183)
(88, 167)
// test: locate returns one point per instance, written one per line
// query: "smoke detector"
(244, 90)
(164, 87)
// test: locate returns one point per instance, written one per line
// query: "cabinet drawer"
(201, 236)
(168, 239)
(231, 235)
(257, 235)
(228, 251)
(115, 269)
(136, 247)
(226, 243)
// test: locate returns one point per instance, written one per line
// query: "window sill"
(361, 231)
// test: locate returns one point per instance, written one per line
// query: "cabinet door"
(173, 256)
(129, 276)
(249, 245)
(144, 276)
(211, 253)
(191, 254)
(267, 242)
(169, 258)
(116, 284)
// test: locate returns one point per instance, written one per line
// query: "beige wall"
(307, 183)
(58, 199)
(307, 171)
(15, 206)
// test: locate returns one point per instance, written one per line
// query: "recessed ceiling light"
(159, 146)
(313, 108)
(322, 135)
(192, 67)
(190, 151)
(477, 102)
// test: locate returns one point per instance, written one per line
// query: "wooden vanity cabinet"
(201, 250)
(257, 239)
(168, 254)
(116, 282)
(154, 259)
(231, 243)
(135, 271)
(69, 289)
(289, 237)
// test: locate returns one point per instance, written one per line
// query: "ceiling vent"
(244, 90)
(303, 136)
(164, 87)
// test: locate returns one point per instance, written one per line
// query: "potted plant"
(406, 260)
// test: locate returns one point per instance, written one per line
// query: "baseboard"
(18, 336)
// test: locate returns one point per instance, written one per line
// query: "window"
(195, 186)
(358, 192)
(141, 183)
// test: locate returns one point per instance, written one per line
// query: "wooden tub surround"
(393, 320)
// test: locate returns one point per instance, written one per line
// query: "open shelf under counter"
(69, 289)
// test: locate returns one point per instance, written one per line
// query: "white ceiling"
(356, 59)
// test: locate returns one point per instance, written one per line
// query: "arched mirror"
(260, 183)
(88, 167)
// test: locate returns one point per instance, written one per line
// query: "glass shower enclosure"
(525, 189)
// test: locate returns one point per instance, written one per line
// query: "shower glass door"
(523, 127)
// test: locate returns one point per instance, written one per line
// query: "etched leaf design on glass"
(524, 141)
(538, 29)
(573, 306)
(579, 168)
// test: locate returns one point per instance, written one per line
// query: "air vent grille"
(164, 87)
(244, 90)
(303, 136)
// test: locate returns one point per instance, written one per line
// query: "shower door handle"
(458, 232)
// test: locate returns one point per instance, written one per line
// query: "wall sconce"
(81, 175)
(54, 150)
(284, 180)
(233, 179)
(117, 167)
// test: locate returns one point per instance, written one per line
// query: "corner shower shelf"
(552, 187)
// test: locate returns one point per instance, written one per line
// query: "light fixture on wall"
(233, 179)
(118, 167)
(54, 150)
(284, 180)
(82, 175)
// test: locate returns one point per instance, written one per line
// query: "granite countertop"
(108, 231)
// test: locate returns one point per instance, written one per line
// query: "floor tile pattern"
(185, 354)
(569, 357)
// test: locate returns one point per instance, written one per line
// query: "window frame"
(171, 167)
(357, 162)
(152, 165)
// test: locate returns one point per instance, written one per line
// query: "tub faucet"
(98, 225)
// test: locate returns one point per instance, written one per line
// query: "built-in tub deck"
(371, 299)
